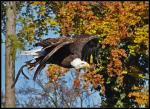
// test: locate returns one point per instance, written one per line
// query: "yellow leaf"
(124, 72)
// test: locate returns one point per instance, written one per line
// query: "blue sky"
(3, 65)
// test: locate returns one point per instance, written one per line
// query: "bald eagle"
(67, 52)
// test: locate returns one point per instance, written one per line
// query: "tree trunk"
(10, 100)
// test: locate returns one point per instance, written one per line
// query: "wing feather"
(19, 72)
(51, 41)
(28, 63)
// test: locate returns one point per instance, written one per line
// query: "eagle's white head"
(77, 63)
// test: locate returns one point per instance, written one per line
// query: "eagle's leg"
(78, 72)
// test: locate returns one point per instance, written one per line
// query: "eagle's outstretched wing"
(48, 56)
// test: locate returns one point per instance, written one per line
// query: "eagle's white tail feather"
(36, 53)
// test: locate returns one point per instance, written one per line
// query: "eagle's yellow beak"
(86, 65)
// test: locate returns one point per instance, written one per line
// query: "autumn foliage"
(122, 28)
(123, 31)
